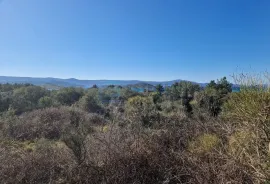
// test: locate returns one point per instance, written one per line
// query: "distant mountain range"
(81, 83)
(56, 83)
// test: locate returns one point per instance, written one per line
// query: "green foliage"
(75, 135)
(90, 102)
(157, 97)
(126, 93)
(160, 89)
(10, 87)
(26, 98)
(76, 142)
(68, 96)
(5, 100)
(183, 89)
(95, 86)
(223, 86)
(210, 100)
(214, 95)
(111, 86)
(45, 102)
(108, 94)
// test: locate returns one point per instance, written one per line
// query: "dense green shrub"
(182, 89)
(5, 101)
(26, 98)
(91, 102)
(68, 96)
(213, 96)
(10, 87)
(45, 102)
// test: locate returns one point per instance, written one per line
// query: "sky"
(153, 40)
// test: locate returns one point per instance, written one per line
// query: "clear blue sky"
(196, 40)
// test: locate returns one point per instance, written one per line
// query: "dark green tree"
(95, 86)
(215, 95)
(223, 86)
(176, 91)
(5, 100)
(111, 86)
(212, 84)
(160, 89)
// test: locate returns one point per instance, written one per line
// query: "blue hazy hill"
(72, 82)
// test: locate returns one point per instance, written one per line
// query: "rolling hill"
(56, 83)
(78, 83)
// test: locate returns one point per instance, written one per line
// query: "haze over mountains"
(72, 82)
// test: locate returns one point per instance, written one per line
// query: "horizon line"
(100, 79)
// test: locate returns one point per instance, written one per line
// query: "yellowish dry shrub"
(204, 143)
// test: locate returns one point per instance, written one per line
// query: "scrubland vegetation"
(180, 134)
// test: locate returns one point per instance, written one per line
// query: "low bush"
(49, 123)
(48, 162)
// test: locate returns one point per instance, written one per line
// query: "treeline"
(20, 98)
(178, 134)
